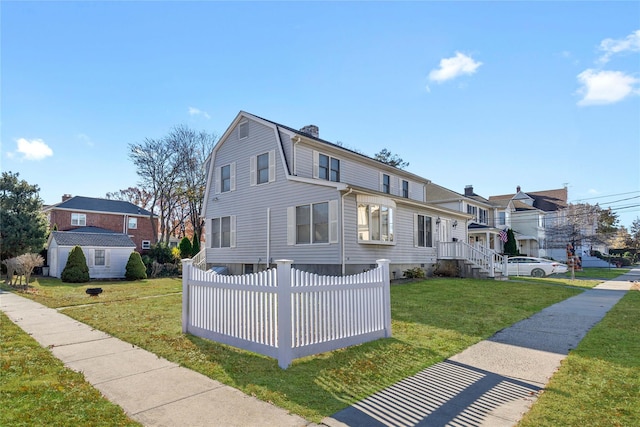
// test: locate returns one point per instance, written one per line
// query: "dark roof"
(92, 237)
(548, 201)
(81, 203)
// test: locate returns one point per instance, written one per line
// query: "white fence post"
(187, 265)
(285, 353)
(386, 295)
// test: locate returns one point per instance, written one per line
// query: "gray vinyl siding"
(357, 173)
(403, 252)
(253, 205)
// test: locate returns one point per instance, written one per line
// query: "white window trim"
(92, 258)
(232, 232)
(415, 231)
(232, 178)
(316, 165)
(243, 125)
(380, 201)
(253, 168)
(333, 224)
(79, 216)
(135, 226)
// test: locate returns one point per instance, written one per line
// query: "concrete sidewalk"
(152, 390)
(494, 382)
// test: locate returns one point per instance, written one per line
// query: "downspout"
(268, 236)
(295, 155)
(342, 227)
(124, 225)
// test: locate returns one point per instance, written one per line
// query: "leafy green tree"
(23, 225)
(135, 270)
(185, 248)
(385, 156)
(510, 246)
(76, 269)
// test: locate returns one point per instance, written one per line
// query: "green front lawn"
(432, 320)
(37, 390)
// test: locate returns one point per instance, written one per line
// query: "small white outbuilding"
(106, 252)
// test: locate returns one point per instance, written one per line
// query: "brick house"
(115, 215)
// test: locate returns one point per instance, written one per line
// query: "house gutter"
(342, 227)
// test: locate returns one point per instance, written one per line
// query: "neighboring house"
(106, 252)
(274, 192)
(115, 215)
(487, 219)
(532, 215)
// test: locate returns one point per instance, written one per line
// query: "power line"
(610, 195)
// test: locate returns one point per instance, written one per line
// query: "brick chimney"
(66, 197)
(311, 130)
(468, 190)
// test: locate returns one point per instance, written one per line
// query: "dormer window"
(328, 168)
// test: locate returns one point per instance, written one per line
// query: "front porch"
(475, 260)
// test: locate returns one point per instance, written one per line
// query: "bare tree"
(171, 172)
(138, 196)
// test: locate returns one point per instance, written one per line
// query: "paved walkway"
(152, 390)
(494, 382)
(491, 383)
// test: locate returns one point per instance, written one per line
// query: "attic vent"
(311, 130)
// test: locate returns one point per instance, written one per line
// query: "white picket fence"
(286, 313)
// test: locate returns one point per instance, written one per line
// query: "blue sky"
(489, 94)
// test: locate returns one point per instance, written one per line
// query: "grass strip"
(37, 390)
(598, 384)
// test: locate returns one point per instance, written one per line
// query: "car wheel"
(537, 272)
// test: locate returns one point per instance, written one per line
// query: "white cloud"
(453, 67)
(34, 149)
(85, 138)
(611, 47)
(605, 87)
(197, 112)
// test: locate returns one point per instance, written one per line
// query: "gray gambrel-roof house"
(274, 192)
(106, 252)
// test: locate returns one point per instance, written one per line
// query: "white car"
(534, 267)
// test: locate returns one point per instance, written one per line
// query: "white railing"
(487, 259)
(199, 260)
(286, 313)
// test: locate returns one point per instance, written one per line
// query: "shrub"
(195, 245)
(414, 273)
(185, 248)
(135, 269)
(446, 269)
(161, 253)
(76, 270)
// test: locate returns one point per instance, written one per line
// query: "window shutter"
(415, 230)
(232, 225)
(316, 163)
(252, 170)
(92, 256)
(272, 165)
(107, 257)
(218, 180)
(333, 221)
(291, 225)
(233, 176)
(393, 183)
(381, 182)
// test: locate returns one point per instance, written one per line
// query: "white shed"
(106, 252)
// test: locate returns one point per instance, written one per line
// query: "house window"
(223, 232)
(243, 130)
(424, 231)
(99, 257)
(375, 223)
(386, 183)
(146, 244)
(312, 223)
(502, 218)
(133, 223)
(79, 219)
(263, 168)
(473, 210)
(405, 189)
(225, 178)
(328, 168)
(483, 216)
